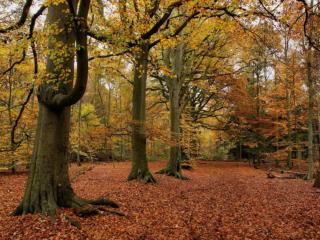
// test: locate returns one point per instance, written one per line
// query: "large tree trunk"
(174, 85)
(175, 149)
(174, 165)
(48, 185)
(140, 168)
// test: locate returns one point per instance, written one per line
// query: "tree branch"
(80, 24)
(22, 20)
(161, 21)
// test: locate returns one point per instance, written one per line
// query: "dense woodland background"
(148, 80)
(248, 88)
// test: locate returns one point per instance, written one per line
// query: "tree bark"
(310, 114)
(174, 165)
(140, 168)
(310, 83)
(79, 135)
(174, 85)
(48, 185)
(288, 102)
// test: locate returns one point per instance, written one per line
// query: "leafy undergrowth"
(221, 201)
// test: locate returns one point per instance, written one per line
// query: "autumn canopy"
(159, 119)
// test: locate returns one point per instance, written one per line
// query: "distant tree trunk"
(140, 168)
(174, 165)
(174, 85)
(10, 120)
(79, 135)
(121, 137)
(317, 175)
(310, 113)
(288, 102)
(175, 149)
(240, 148)
(106, 116)
(48, 185)
(108, 144)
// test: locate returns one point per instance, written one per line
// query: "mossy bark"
(140, 168)
(48, 185)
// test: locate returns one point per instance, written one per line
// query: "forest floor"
(220, 201)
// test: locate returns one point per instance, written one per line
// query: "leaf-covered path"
(220, 201)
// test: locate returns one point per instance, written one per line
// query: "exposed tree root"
(85, 208)
(106, 211)
(288, 175)
(18, 211)
(186, 166)
(171, 173)
(103, 202)
(86, 211)
(73, 222)
(146, 176)
(90, 210)
(81, 206)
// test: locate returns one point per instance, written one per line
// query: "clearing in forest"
(220, 201)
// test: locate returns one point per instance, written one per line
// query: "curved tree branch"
(22, 20)
(23, 57)
(80, 24)
(31, 28)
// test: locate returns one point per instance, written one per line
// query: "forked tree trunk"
(48, 185)
(140, 168)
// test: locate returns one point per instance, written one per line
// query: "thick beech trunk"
(174, 165)
(174, 59)
(140, 168)
(48, 185)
